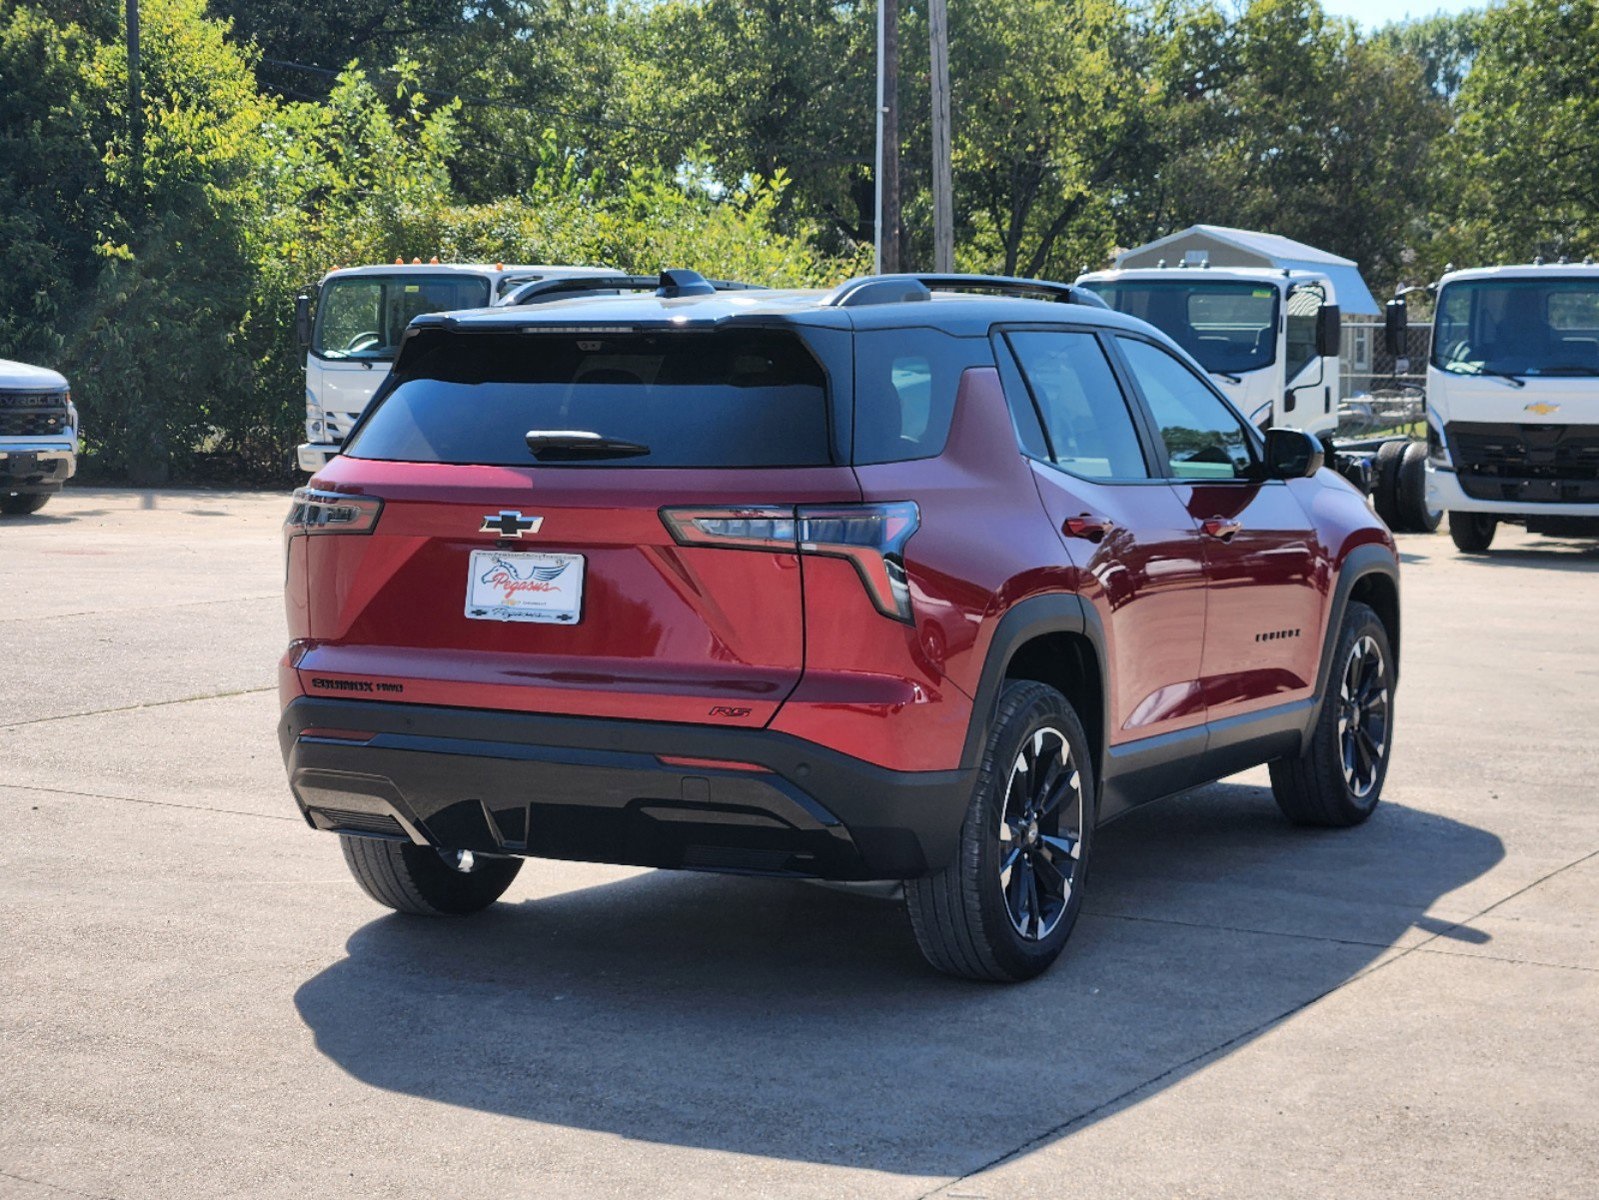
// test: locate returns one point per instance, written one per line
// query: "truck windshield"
(1227, 327)
(364, 316)
(1518, 327)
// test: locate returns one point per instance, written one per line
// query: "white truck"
(1513, 401)
(351, 322)
(38, 436)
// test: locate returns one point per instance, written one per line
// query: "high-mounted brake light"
(316, 511)
(871, 536)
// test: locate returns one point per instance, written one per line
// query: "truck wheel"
(17, 506)
(1414, 514)
(1003, 909)
(1472, 533)
(1339, 777)
(1385, 484)
(431, 883)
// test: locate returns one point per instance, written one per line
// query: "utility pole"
(135, 97)
(888, 155)
(943, 198)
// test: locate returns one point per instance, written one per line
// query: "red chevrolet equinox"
(921, 579)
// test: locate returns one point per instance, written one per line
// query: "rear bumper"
(598, 790)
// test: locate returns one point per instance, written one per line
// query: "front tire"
(1338, 780)
(1472, 533)
(1002, 911)
(426, 882)
(22, 505)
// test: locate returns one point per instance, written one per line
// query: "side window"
(1303, 305)
(1085, 415)
(1204, 438)
(905, 385)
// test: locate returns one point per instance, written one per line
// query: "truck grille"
(32, 414)
(1548, 463)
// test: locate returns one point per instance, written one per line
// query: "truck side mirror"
(1395, 327)
(302, 319)
(1292, 454)
(1329, 331)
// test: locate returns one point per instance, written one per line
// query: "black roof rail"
(669, 284)
(890, 289)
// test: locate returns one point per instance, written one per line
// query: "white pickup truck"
(38, 436)
(351, 322)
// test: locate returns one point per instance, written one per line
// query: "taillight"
(871, 536)
(315, 511)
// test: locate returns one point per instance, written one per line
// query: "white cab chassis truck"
(1513, 401)
(38, 436)
(350, 325)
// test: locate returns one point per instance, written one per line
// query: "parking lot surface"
(199, 1002)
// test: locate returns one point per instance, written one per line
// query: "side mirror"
(1329, 331)
(1395, 327)
(302, 318)
(1292, 454)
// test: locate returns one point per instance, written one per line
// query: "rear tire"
(426, 882)
(1338, 780)
(19, 506)
(1414, 515)
(1385, 484)
(1003, 909)
(1472, 533)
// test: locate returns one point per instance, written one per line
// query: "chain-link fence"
(1382, 392)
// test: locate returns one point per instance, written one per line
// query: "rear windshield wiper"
(564, 445)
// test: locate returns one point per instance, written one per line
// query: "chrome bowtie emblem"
(509, 524)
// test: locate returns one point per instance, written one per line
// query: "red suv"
(922, 579)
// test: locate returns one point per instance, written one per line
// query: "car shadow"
(1550, 554)
(773, 1018)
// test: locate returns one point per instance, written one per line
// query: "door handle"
(1095, 529)
(1221, 528)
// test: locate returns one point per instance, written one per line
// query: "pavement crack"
(56, 1187)
(133, 608)
(1277, 933)
(232, 812)
(100, 712)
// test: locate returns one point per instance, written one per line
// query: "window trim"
(1005, 352)
(1252, 436)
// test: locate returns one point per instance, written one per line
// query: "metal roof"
(1267, 250)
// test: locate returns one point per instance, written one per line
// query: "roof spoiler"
(669, 285)
(894, 289)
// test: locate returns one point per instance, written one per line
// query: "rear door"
(1119, 521)
(654, 580)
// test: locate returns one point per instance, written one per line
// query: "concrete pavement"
(199, 1002)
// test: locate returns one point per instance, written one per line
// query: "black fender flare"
(1037, 616)
(1360, 563)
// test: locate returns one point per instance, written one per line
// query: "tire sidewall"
(1044, 707)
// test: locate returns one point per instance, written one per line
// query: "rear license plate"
(508, 586)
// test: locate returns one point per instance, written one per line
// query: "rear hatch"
(538, 520)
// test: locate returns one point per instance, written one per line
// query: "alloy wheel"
(1040, 834)
(1363, 717)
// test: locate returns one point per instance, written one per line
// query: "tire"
(1414, 515)
(1338, 780)
(421, 880)
(1385, 484)
(977, 918)
(19, 506)
(1472, 533)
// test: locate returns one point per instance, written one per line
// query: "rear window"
(905, 385)
(752, 398)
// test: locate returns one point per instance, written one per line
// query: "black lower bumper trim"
(595, 790)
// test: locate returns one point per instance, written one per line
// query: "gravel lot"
(200, 1003)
